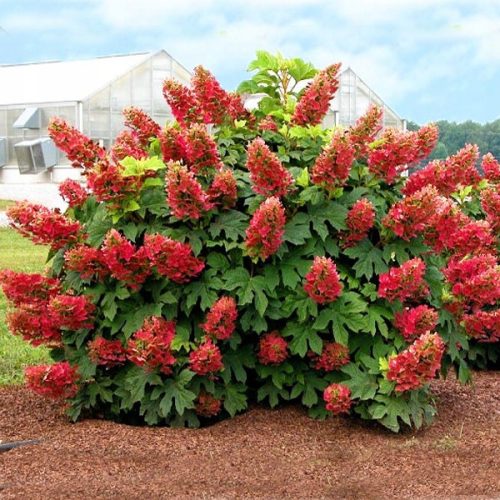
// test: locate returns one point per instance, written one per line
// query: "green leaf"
(363, 385)
(303, 339)
(369, 259)
(231, 222)
(303, 178)
(375, 321)
(235, 398)
(177, 394)
(99, 225)
(297, 230)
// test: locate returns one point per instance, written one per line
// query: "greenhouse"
(89, 94)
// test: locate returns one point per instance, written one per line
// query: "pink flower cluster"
(447, 176)
(360, 219)
(273, 349)
(44, 226)
(224, 190)
(332, 357)
(315, 101)
(399, 149)
(332, 167)
(79, 149)
(150, 347)
(364, 131)
(73, 193)
(207, 405)
(268, 176)
(404, 283)
(418, 364)
(413, 322)
(206, 359)
(106, 352)
(220, 322)
(337, 398)
(267, 227)
(201, 151)
(172, 258)
(185, 195)
(57, 381)
(322, 281)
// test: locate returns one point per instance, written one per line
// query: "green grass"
(4, 204)
(18, 254)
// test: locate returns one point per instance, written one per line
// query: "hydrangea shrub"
(239, 256)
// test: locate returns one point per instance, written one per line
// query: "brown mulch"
(262, 453)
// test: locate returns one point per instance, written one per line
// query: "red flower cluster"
(322, 281)
(332, 167)
(473, 236)
(57, 381)
(332, 357)
(212, 99)
(185, 195)
(364, 131)
(337, 398)
(491, 168)
(33, 289)
(127, 144)
(72, 312)
(173, 144)
(483, 326)
(41, 225)
(404, 283)
(33, 324)
(223, 190)
(79, 149)
(273, 349)
(106, 352)
(31, 293)
(315, 101)
(268, 123)
(418, 364)
(123, 261)
(490, 202)
(220, 322)
(475, 279)
(87, 261)
(398, 149)
(207, 405)
(237, 111)
(149, 347)
(265, 233)
(360, 219)
(268, 176)
(73, 193)
(142, 124)
(201, 151)
(416, 213)
(206, 359)
(413, 322)
(182, 102)
(448, 175)
(171, 258)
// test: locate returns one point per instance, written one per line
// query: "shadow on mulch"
(262, 453)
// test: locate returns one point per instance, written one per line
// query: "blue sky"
(428, 59)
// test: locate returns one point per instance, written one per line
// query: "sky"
(427, 59)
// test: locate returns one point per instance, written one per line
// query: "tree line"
(453, 136)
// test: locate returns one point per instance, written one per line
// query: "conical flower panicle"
(185, 195)
(314, 103)
(268, 176)
(267, 227)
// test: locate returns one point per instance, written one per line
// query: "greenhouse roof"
(63, 81)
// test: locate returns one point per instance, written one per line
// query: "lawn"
(4, 204)
(18, 254)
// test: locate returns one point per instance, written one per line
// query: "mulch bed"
(262, 453)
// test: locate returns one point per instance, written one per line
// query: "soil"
(260, 454)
